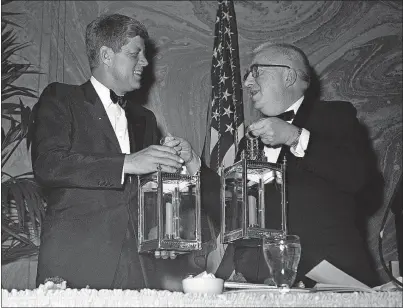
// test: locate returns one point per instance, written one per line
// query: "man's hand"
(180, 145)
(148, 160)
(274, 131)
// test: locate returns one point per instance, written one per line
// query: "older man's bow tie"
(121, 100)
(286, 116)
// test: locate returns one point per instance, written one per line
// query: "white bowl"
(205, 285)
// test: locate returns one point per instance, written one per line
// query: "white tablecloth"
(154, 298)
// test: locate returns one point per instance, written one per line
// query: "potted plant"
(22, 206)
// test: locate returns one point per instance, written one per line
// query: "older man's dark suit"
(321, 194)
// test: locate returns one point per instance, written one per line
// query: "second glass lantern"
(169, 212)
(253, 197)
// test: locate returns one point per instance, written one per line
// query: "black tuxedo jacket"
(321, 194)
(77, 159)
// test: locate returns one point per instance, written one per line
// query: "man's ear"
(106, 55)
(291, 77)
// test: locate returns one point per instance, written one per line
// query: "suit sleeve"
(153, 134)
(339, 153)
(54, 162)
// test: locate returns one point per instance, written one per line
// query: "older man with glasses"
(327, 157)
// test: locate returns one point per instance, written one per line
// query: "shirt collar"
(296, 105)
(102, 91)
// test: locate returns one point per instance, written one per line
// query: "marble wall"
(354, 46)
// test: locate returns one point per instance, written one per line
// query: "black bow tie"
(121, 100)
(286, 116)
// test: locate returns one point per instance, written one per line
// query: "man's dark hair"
(112, 31)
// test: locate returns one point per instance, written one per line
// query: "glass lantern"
(169, 212)
(247, 213)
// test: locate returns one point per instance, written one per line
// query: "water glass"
(282, 255)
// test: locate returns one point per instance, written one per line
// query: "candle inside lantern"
(252, 210)
(168, 219)
(176, 204)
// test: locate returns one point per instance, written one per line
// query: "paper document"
(330, 278)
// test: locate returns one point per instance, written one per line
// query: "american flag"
(226, 109)
(225, 119)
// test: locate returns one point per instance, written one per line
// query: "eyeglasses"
(254, 69)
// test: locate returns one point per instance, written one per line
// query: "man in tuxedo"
(89, 145)
(327, 164)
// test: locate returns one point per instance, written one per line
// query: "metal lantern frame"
(161, 242)
(246, 231)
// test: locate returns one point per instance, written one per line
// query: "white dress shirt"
(299, 151)
(116, 115)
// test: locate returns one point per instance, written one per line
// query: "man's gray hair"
(293, 54)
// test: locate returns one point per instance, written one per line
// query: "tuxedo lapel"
(136, 125)
(300, 119)
(99, 114)
(302, 115)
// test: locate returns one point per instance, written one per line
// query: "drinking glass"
(282, 255)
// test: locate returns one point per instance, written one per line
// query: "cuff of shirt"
(123, 176)
(193, 166)
(299, 150)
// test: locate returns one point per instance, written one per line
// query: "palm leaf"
(30, 193)
(4, 2)
(21, 195)
(25, 118)
(8, 88)
(19, 248)
(4, 14)
(11, 108)
(9, 13)
(11, 72)
(16, 92)
(3, 134)
(17, 47)
(25, 174)
(4, 198)
(13, 232)
(11, 66)
(10, 118)
(31, 126)
(4, 152)
(8, 22)
(9, 38)
(16, 195)
(40, 201)
(30, 207)
(13, 134)
(18, 252)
